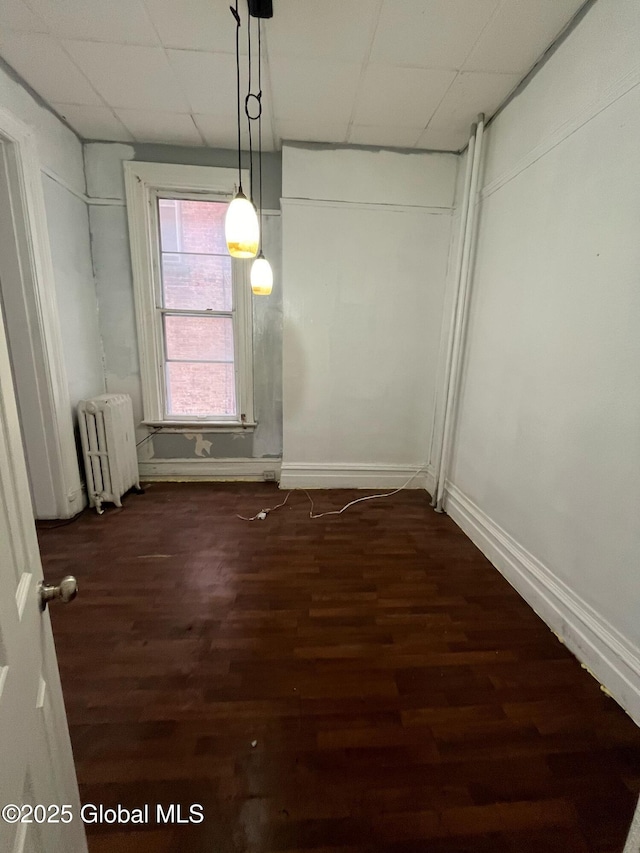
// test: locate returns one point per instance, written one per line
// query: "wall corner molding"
(610, 658)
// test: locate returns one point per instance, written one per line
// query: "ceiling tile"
(519, 34)
(16, 15)
(217, 132)
(94, 122)
(221, 133)
(470, 94)
(209, 83)
(130, 77)
(312, 131)
(47, 68)
(430, 33)
(194, 24)
(123, 21)
(207, 79)
(313, 90)
(443, 140)
(330, 29)
(155, 126)
(405, 96)
(385, 136)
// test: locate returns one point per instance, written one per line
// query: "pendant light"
(261, 272)
(241, 227)
(261, 276)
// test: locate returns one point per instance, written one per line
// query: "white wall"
(366, 238)
(61, 162)
(68, 222)
(546, 469)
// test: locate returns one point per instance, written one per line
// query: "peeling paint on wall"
(203, 447)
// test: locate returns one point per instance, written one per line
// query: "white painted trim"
(181, 178)
(313, 475)
(198, 426)
(593, 640)
(142, 183)
(106, 202)
(633, 839)
(609, 96)
(366, 205)
(456, 343)
(251, 470)
(79, 194)
(442, 372)
(111, 202)
(39, 288)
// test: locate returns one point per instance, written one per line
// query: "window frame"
(144, 184)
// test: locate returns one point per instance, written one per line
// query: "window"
(193, 302)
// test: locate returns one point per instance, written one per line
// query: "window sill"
(200, 426)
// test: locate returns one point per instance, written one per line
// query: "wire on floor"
(261, 516)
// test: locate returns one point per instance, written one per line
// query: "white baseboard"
(185, 470)
(608, 655)
(313, 475)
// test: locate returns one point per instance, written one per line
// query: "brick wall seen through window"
(197, 277)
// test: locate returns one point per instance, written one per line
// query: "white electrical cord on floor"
(260, 516)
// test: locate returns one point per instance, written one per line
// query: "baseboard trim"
(610, 658)
(208, 470)
(313, 475)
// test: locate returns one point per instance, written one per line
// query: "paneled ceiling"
(404, 73)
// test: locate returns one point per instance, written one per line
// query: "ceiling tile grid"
(388, 73)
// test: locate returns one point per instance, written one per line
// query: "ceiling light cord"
(260, 123)
(246, 104)
(236, 15)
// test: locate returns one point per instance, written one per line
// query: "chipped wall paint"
(112, 266)
(203, 447)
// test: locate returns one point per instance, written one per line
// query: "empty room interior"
(319, 426)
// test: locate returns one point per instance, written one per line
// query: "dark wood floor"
(364, 682)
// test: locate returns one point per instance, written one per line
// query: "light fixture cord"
(246, 107)
(236, 15)
(260, 121)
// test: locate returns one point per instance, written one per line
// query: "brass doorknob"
(66, 591)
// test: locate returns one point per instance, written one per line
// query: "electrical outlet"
(269, 476)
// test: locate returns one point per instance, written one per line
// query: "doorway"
(27, 295)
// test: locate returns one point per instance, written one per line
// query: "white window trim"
(143, 182)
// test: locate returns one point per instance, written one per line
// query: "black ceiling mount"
(261, 8)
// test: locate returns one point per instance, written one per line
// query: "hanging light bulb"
(261, 276)
(241, 227)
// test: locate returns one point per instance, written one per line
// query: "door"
(36, 764)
